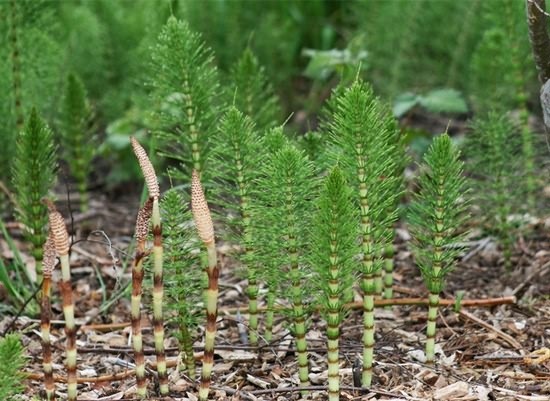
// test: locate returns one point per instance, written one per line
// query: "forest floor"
(497, 351)
(483, 353)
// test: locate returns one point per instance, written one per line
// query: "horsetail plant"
(61, 243)
(184, 283)
(205, 230)
(142, 228)
(255, 95)
(185, 88)
(48, 266)
(334, 235)
(158, 289)
(493, 149)
(284, 190)
(435, 218)
(238, 155)
(77, 135)
(33, 176)
(363, 132)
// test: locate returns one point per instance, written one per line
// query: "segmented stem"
(333, 329)
(388, 268)
(430, 330)
(187, 345)
(142, 227)
(269, 313)
(368, 282)
(158, 292)
(205, 229)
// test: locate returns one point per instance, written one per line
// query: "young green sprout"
(158, 290)
(435, 218)
(205, 230)
(363, 132)
(334, 231)
(61, 243)
(48, 265)
(142, 228)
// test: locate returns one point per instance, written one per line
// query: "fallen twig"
(509, 339)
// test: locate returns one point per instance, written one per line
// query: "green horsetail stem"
(142, 227)
(45, 316)
(435, 217)
(61, 241)
(389, 252)
(269, 314)
(189, 354)
(158, 289)
(205, 229)
(334, 245)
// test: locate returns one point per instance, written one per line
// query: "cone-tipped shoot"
(334, 235)
(362, 131)
(205, 230)
(436, 217)
(146, 168)
(158, 290)
(61, 243)
(48, 265)
(142, 228)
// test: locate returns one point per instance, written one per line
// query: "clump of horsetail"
(158, 289)
(48, 265)
(493, 149)
(435, 218)
(33, 173)
(184, 280)
(362, 131)
(142, 228)
(334, 235)
(61, 243)
(284, 189)
(205, 230)
(77, 135)
(238, 155)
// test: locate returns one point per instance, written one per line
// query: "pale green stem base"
(430, 330)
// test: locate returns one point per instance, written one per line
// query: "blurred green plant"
(12, 362)
(78, 139)
(435, 101)
(254, 94)
(436, 219)
(34, 171)
(493, 149)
